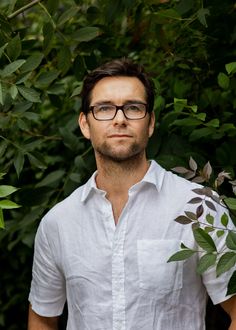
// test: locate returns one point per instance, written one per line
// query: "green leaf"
(12, 67)
(213, 123)
(32, 62)
(181, 255)
(13, 91)
(6, 204)
(205, 262)
(19, 160)
(46, 78)
(231, 240)
(51, 178)
(230, 67)
(201, 15)
(7, 190)
(87, 33)
(231, 203)
(220, 233)
(223, 80)
(29, 94)
(190, 121)
(1, 94)
(67, 15)
(48, 34)
(231, 288)
(64, 59)
(210, 219)
(224, 219)
(2, 225)
(14, 48)
(35, 161)
(225, 263)
(204, 240)
(200, 133)
(2, 49)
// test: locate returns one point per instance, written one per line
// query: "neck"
(117, 177)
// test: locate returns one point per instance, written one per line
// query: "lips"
(119, 136)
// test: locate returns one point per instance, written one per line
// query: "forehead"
(118, 89)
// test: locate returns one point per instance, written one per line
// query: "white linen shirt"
(117, 277)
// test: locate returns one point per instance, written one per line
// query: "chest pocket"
(159, 278)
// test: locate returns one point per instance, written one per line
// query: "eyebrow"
(126, 102)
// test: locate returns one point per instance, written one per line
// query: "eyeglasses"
(132, 111)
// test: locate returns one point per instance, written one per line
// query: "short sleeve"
(47, 294)
(217, 286)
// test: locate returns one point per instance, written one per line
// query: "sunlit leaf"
(7, 204)
(231, 67)
(6, 190)
(223, 80)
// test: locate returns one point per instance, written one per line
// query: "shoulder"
(173, 181)
(63, 212)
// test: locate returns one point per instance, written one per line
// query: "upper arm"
(37, 322)
(229, 306)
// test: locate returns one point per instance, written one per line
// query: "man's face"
(118, 139)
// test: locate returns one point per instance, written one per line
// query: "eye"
(104, 108)
(134, 107)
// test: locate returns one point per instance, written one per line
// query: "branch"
(22, 9)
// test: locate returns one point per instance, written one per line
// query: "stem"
(22, 9)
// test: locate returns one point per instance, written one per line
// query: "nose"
(119, 117)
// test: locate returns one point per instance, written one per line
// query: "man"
(104, 249)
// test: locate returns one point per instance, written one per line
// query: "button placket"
(118, 273)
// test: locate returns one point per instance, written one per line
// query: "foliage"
(46, 48)
(204, 227)
(7, 204)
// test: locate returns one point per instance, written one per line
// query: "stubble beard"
(107, 152)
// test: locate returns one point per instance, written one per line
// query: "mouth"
(119, 136)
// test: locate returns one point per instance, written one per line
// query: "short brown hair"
(119, 67)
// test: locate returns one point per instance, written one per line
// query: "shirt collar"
(154, 176)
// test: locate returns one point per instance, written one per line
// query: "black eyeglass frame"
(119, 107)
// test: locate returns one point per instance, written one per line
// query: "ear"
(151, 124)
(84, 125)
